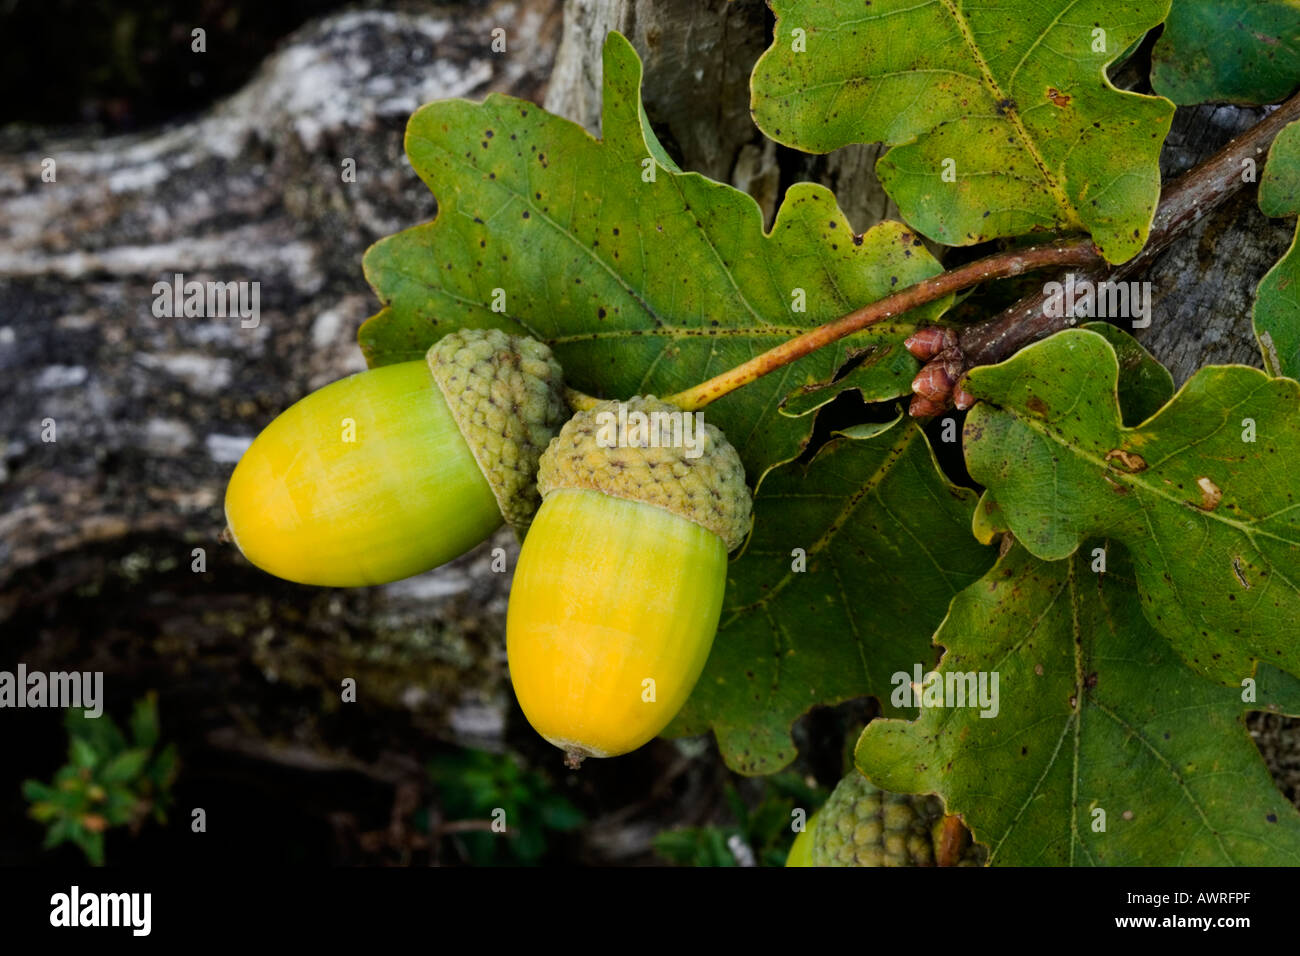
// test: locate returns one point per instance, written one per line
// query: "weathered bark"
(1203, 287)
(98, 528)
(697, 52)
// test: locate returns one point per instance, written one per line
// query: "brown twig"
(1077, 252)
(1185, 202)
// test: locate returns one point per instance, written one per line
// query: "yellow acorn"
(802, 848)
(396, 470)
(619, 585)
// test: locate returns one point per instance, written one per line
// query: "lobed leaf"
(1203, 493)
(1009, 98)
(883, 540)
(1143, 388)
(644, 279)
(1106, 750)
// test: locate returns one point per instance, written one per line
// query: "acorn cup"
(619, 585)
(862, 825)
(396, 470)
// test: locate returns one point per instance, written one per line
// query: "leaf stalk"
(1076, 252)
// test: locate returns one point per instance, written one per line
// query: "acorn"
(396, 470)
(862, 825)
(801, 850)
(619, 585)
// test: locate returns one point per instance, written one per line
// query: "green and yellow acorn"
(801, 849)
(619, 586)
(398, 469)
(862, 825)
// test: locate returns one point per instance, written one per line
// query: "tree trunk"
(110, 557)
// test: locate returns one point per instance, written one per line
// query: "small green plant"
(108, 781)
(764, 828)
(499, 811)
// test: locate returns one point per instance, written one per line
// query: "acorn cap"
(676, 463)
(506, 393)
(862, 825)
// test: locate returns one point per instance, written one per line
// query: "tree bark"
(103, 529)
(1203, 287)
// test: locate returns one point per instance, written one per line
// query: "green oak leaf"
(1143, 388)
(1000, 114)
(1236, 51)
(1277, 301)
(1094, 712)
(865, 368)
(884, 547)
(644, 279)
(1204, 494)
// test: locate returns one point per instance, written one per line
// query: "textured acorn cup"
(394, 471)
(862, 825)
(619, 586)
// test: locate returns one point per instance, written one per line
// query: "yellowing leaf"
(1001, 116)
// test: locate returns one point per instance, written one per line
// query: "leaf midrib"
(1074, 721)
(1012, 114)
(1133, 481)
(662, 326)
(890, 461)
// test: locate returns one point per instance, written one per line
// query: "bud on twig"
(925, 344)
(936, 380)
(924, 408)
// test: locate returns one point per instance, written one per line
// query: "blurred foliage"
(107, 781)
(765, 827)
(474, 785)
